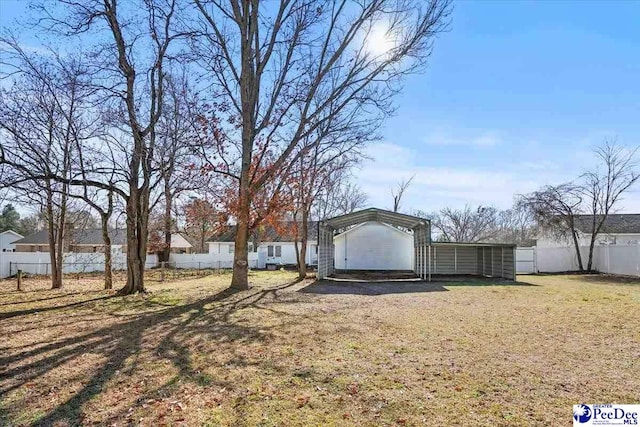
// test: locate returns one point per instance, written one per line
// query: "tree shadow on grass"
(208, 318)
(31, 301)
(363, 287)
(77, 304)
(331, 287)
(609, 279)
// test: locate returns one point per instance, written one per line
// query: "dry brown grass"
(468, 353)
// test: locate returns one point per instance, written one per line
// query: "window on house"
(250, 247)
(269, 250)
(278, 251)
(231, 248)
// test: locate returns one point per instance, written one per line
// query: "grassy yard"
(318, 354)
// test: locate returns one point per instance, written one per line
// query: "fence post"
(162, 271)
(19, 276)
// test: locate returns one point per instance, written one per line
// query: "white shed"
(374, 246)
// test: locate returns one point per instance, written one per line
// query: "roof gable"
(614, 224)
(378, 215)
(17, 235)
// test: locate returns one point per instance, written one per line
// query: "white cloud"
(436, 186)
(484, 139)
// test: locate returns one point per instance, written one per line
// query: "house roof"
(375, 214)
(19, 236)
(89, 236)
(614, 224)
(268, 233)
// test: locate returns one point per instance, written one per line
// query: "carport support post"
(429, 262)
(455, 259)
(423, 270)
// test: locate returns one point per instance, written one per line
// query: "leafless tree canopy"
(595, 193)
(288, 70)
(398, 192)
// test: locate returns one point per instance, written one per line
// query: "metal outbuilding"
(429, 258)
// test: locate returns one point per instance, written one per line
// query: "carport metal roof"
(375, 214)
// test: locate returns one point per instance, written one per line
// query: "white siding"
(287, 252)
(6, 238)
(374, 246)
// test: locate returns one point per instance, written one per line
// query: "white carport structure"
(480, 259)
(420, 227)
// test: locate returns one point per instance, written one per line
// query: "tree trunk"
(296, 247)
(302, 263)
(52, 226)
(591, 246)
(137, 224)
(166, 250)
(577, 246)
(240, 279)
(203, 238)
(108, 276)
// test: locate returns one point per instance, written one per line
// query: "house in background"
(89, 240)
(180, 245)
(618, 229)
(274, 246)
(6, 240)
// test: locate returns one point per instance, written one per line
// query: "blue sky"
(516, 95)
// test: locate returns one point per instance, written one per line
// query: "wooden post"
(19, 276)
(162, 271)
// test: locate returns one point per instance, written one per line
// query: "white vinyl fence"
(209, 260)
(525, 260)
(612, 259)
(40, 263)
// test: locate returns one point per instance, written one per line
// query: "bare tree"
(559, 210)
(285, 69)
(175, 154)
(398, 192)
(41, 121)
(341, 196)
(316, 172)
(603, 187)
(555, 209)
(465, 225)
(515, 225)
(127, 65)
(104, 206)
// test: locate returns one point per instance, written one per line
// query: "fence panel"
(619, 259)
(613, 259)
(526, 260)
